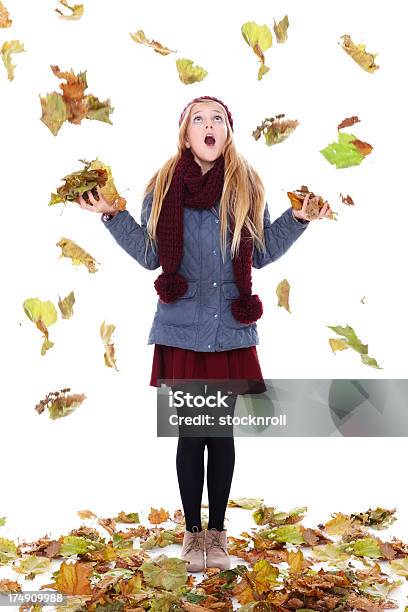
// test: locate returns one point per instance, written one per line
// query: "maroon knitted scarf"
(191, 188)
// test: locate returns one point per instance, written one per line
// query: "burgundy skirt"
(239, 365)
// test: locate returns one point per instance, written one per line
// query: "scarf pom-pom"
(170, 286)
(247, 309)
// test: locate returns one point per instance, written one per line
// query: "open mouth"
(209, 140)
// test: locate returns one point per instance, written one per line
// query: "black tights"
(220, 468)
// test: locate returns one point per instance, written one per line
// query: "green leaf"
(400, 566)
(343, 153)
(8, 551)
(351, 340)
(165, 572)
(54, 111)
(288, 533)
(367, 547)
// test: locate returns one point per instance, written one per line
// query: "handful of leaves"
(314, 205)
(95, 173)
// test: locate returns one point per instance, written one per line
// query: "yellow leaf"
(9, 47)
(189, 74)
(364, 59)
(86, 514)
(77, 10)
(280, 29)
(77, 254)
(339, 523)
(259, 37)
(109, 190)
(5, 21)
(140, 38)
(282, 291)
(43, 314)
(54, 111)
(66, 305)
(336, 344)
(106, 332)
(72, 579)
(295, 561)
(33, 565)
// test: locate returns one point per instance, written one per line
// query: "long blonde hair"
(243, 194)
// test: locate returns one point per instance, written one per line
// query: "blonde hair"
(242, 196)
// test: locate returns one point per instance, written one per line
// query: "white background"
(106, 456)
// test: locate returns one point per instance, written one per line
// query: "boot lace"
(215, 540)
(195, 542)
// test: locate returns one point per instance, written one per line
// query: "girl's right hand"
(100, 205)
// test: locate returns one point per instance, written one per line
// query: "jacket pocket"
(183, 310)
(230, 292)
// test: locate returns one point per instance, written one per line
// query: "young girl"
(205, 221)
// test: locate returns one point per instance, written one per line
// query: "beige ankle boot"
(193, 549)
(216, 549)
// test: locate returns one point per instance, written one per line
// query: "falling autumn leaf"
(140, 38)
(77, 10)
(281, 29)
(86, 514)
(282, 291)
(275, 129)
(60, 404)
(188, 73)
(314, 204)
(95, 173)
(5, 21)
(364, 59)
(78, 256)
(348, 200)
(352, 341)
(66, 305)
(72, 105)
(348, 151)
(348, 121)
(106, 332)
(259, 38)
(9, 47)
(43, 314)
(336, 344)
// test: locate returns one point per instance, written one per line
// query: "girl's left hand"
(302, 214)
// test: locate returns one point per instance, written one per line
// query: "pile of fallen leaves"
(116, 573)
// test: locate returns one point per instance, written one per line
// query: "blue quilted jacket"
(201, 319)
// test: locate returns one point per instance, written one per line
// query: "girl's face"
(206, 120)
